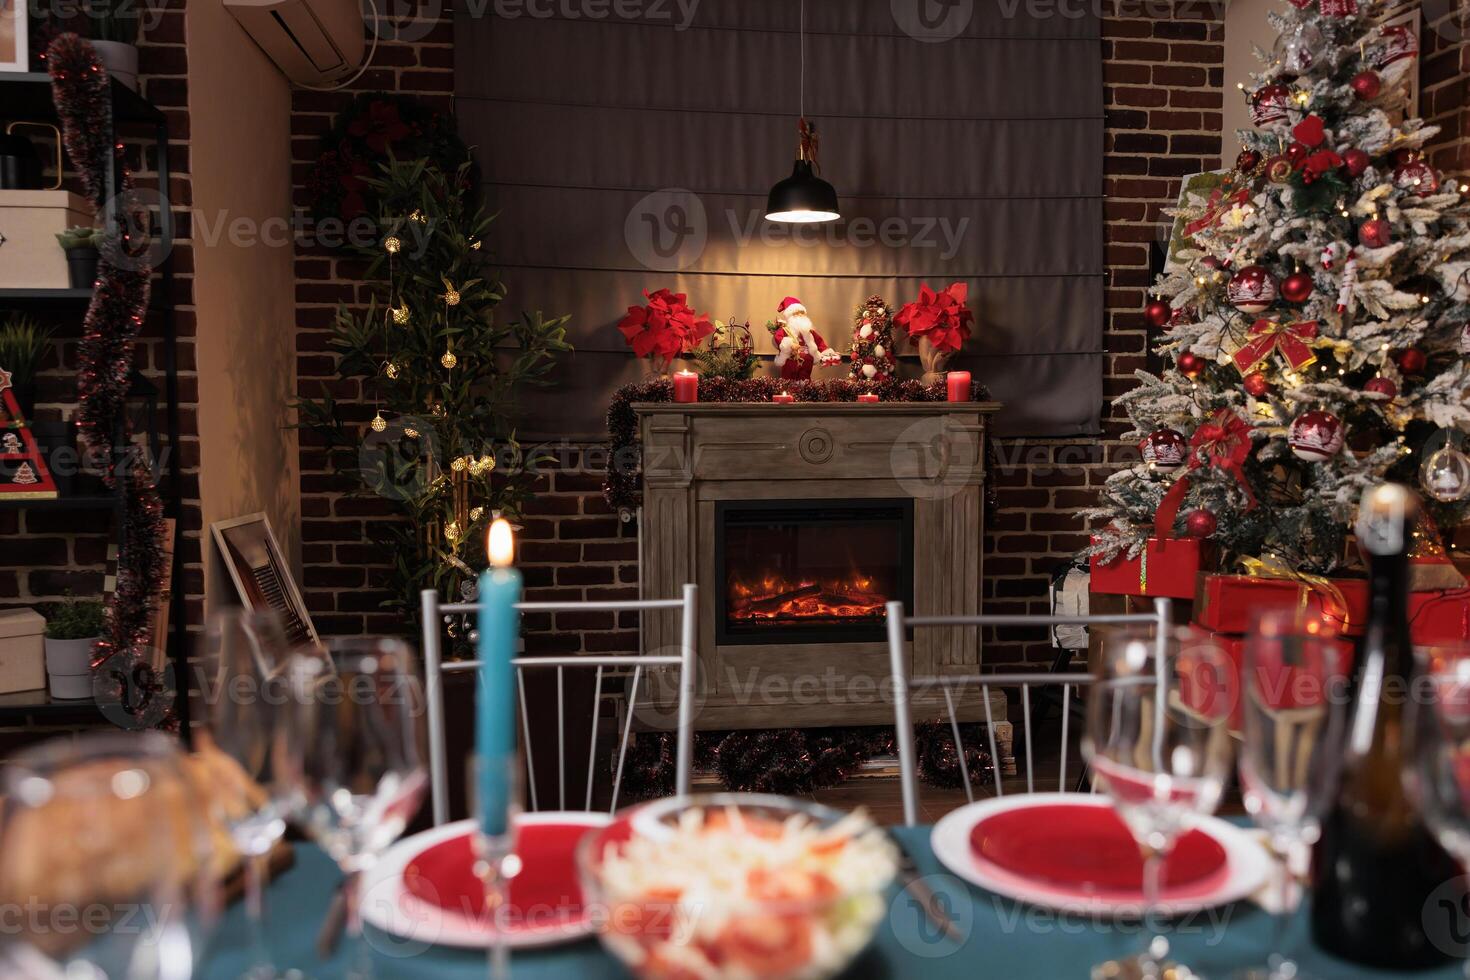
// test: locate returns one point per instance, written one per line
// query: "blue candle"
(495, 720)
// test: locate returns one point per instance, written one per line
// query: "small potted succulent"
(72, 627)
(82, 255)
(22, 345)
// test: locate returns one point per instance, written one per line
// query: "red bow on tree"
(1288, 339)
(1223, 442)
(942, 318)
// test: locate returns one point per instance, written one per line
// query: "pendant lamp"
(803, 197)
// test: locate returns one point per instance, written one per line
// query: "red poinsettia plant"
(665, 327)
(942, 318)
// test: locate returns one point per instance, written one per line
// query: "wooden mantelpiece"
(930, 452)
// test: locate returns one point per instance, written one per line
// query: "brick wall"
(1444, 77)
(48, 553)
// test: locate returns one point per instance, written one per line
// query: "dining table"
(997, 937)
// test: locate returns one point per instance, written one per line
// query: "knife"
(911, 880)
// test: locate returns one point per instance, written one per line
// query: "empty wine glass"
(107, 868)
(1294, 715)
(348, 747)
(1437, 730)
(1157, 744)
(242, 657)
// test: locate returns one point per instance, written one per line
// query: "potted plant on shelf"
(22, 345)
(82, 255)
(939, 324)
(72, 627)
(113, 29)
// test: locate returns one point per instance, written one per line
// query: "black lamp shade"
(802, 197)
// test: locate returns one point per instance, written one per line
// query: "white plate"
(1247, 863)
(388, 906)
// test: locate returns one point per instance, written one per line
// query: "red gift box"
(1228, 603)
(1207, 695)
(1165, 567)
(1440, 617)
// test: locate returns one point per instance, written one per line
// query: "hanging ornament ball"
(1381, 386)
(1367, 85)
(1355, 161)
(1200, 523)
(1270, 104)
(1157, 313)
(1255, 384)
(1181, 316)
(379, 423)
(1445, 474)
(1416, 177)
(1412, 360)
(1252, 289)
(1279, 169)
(400, 315)
(1375, 233)
(392, 244)
(1297, 152)
(449, 360)
(1190, 365)
(1297, 287)
(1316, 436)
(1164, 450)
(451, 298)
(1247, 161)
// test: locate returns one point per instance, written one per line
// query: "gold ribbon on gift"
(1334, 603)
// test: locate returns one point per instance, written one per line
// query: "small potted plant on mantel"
(82, 255)
(72, 627)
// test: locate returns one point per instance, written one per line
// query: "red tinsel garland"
(81, 90)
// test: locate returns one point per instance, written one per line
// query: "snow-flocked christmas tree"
(1315, 321)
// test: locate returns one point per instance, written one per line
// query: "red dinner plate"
(1087, 850)
(544, 895)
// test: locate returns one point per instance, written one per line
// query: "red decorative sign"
(23, 472)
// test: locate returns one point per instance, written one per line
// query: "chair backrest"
(683, 663)
(1058, 686)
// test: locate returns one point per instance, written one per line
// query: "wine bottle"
(1376, 862)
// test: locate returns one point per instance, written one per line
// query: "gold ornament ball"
(411, 432)
(460, 464)
(451, 531)
(449, 360)
(400, 315)
(379, 423)
(391, 370)
(451, 298)
(477, 513)
(392, 244)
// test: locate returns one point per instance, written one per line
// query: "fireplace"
(810, 571)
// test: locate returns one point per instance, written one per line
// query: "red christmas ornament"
(1416, 177)
(1375, 233)
(1200, 523)
(1381, 386)
(1316, 436)
(1401, 157)
(1270, 104)
(1164, 450)
(1157, 313)
(1190, 365)
(1297, 152)
(1255, 384)
(1279, 169)
(1355, 161)
(1247, 160)
(1366, 85)
(1297, 287)
(1412, 360)
(1252, 289)
(1181, 316)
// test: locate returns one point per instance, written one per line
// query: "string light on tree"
(392, 245)
(379, 424)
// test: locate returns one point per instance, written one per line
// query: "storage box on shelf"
(30, 220)
(22, 651)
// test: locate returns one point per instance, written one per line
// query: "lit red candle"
(959, 385)
(783, 397)
(686, 386)
(868, 396)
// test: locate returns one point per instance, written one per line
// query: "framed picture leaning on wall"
(259, 571)
(15, 51)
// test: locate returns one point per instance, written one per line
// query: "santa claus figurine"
(799, 347)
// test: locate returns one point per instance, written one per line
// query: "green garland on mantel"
(623, 483)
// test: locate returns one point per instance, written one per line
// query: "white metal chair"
(904, 686)
(684, 663)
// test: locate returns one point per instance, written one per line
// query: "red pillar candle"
(783, 397)
(686, 386)
(959, 385)
(868, 396)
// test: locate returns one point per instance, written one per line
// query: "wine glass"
(496, 860)
(1294, 719)
(1157, 744)
(104, 852)
(243, 654)
(1437, 731)
(348, 747)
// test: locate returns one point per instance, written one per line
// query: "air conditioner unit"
(314, 42)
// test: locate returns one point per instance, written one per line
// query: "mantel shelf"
(816, 408)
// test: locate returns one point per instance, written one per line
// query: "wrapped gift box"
(22, 651)
(30, 221)
(1209, 696)
(1166, 567)
(1440, 617)
(1227, 603)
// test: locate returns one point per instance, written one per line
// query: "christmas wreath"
(373, 128)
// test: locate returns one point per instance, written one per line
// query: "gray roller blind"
(635, 152)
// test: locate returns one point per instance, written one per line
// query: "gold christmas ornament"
(400, 315)
(379, 423)
(411, 432)
(391, 370)
(392, 244)
(477, 513)
(482, 465)
(460, 464)
(449, 360)
(451, 531)
(451, 298)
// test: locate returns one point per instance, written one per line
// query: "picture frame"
(262, 578)
(1179, 238)
(15, 42)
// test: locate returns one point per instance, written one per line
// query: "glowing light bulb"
(449, 360)
(392, 244)
(391, 370)
(400, 315)
(451, 298)
(379, 423)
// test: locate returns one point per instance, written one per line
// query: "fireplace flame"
(776, 600)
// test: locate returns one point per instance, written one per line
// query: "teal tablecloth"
(1006, 940)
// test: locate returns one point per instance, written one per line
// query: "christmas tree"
(442, 374)
(872, 354)
(1314, 314)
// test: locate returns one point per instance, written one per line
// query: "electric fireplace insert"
(802, 571)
